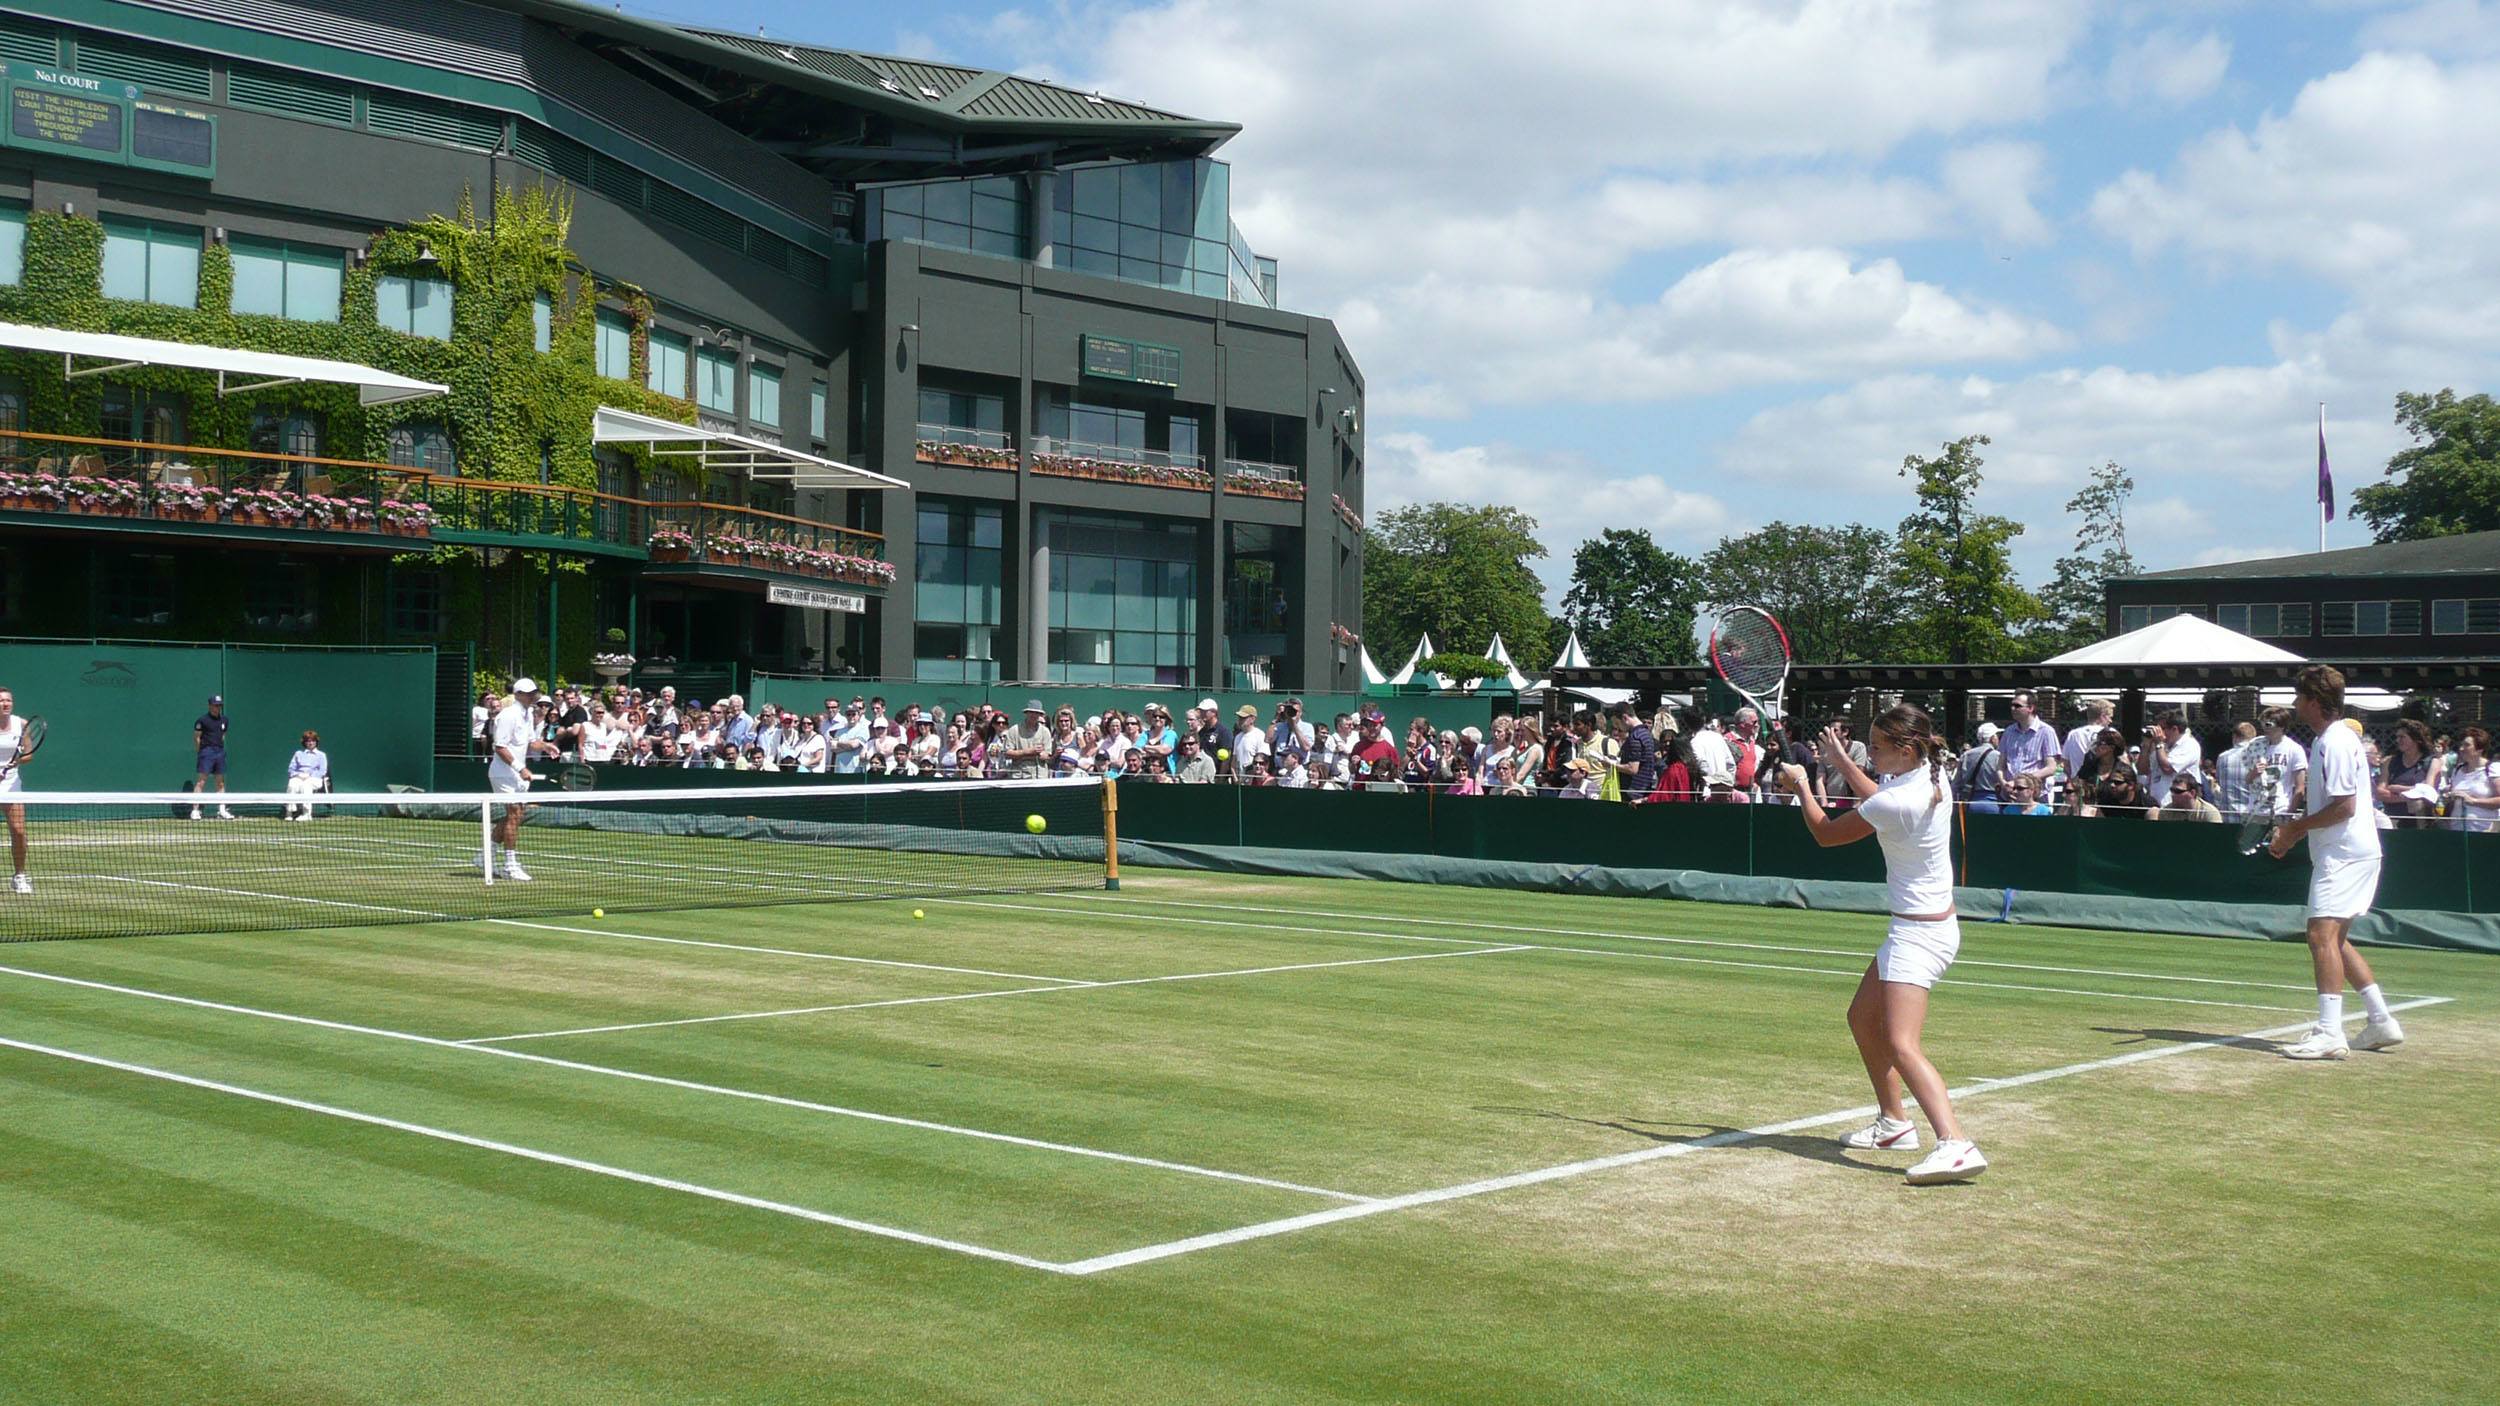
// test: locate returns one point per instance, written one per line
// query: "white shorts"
(505, 780)
(2342, 888)
(14, 780)
(1916, 953)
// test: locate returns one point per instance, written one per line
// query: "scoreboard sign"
(101, 119)
(1143, 363)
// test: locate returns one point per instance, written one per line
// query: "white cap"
(525, 684)
(1206, 705)
(1987, 732)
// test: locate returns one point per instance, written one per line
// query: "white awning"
(256, 370)
(725, 449)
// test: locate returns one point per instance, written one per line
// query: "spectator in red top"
(1375, 757)
(1675, 781)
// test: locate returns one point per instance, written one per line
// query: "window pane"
(1098, 192)
(314, 280)
(2296, 622)
(668, 364)
(174, 267)
(950, 201)
(429, 308)
(125, 261)
(615, 346)
(993, 213)
(716, 382)
(816, 410)
(989, 525)
(764, 396)
(1140, 242)
(1089, 593)
(2447, 617)
(259, 277)
(2370, 617)
(2130, 618)
(12, 245)
(996, 244)
(1141, 195)
(542, 322)
(902, 200)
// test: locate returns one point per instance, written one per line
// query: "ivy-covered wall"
(506, 399)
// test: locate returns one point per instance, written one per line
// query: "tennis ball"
(918, 914)
(1036, 824)
(1223, 754)
(598, 912)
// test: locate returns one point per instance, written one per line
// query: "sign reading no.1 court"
(104, 119)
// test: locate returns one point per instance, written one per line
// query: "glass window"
(1098, 192)
(138, 589)
(950, 201)
(156, 417)
(274, 278)
(2131, 618)
(152, 263)
(615, 346)
(295, 432)
(416, 604)
(423, 445)
(278, 597)
(12, 243)
(420, 307)
(542, 322)
(2232, 617)
(956, 595)
(816, 411)
(764, 395)
(670, 359)
(905, 200)
(716, 381)
(1141, 195)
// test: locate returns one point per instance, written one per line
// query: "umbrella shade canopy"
(2181, 639)
(252, 370)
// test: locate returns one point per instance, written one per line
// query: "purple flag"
(2326, 477)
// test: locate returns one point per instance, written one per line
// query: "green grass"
(2219, 1225)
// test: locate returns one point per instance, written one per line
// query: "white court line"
(1851, 973)
(279, 897)
(789, 952)
(663, 1080)
(1382, 1206)
(1125, 897)
(982, 995)
(555, 1159)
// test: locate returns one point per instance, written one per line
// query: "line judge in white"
(508, 771)
(2342, 829)
(1910, 813)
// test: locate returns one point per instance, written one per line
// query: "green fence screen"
(121, 714)
(809, 695)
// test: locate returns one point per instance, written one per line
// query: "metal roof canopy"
(269, 369)
(727, 449)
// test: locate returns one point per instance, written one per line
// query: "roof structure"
(726, 450)
(940, 118)
(2466, 552)
(255, 370)
(2180, 639)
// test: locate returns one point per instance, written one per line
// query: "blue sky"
(1694, 265)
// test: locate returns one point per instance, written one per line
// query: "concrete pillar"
(1037, 610)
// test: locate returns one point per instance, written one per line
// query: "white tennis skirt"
(1916, 953)
(2343, 888)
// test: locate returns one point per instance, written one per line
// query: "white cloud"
(2167, 68)
(2237, 551)
(1995, 182)
(2459, 29)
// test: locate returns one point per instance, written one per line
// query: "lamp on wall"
(902, 348)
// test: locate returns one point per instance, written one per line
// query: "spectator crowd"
(2023, 767)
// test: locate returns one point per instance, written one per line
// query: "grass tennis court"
(1215, 1139)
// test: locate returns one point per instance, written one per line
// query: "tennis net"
(126, 864)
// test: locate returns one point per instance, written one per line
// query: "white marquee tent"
(2187, 639)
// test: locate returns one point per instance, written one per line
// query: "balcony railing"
(1254, 479)
(1112, 463)
(489, 509)
(968, 448)
(85, 476)
(716, 534)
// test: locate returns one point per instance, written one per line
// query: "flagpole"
(2322, 499)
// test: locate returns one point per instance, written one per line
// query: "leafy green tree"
(1831, 587)
(1956, 565)
(1461, 668)
(2075, 593)
(1457, 573)
(2448, 480)
(1633, 601)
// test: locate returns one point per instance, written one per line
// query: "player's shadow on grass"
(1706, 1135)
(2154, 1035)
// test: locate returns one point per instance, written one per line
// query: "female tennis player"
(14, 749)
(1910, 813)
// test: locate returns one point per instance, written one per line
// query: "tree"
(1456, 572)
(2075, 594)
(1633, 601)
(1831, 587)
(2448, 480)
(1956, 564)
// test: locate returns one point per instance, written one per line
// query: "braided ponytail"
(1906, 726)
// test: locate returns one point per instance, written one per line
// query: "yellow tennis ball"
(598, 912)
(918, 914)
(1223, 754)
(1036, 824)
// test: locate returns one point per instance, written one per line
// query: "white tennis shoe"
(1955, 1159)
(2379, 1035)
(2320, 1043)
(22, 884)
(1885, 1135)
(516, 874)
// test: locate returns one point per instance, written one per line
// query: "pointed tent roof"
(2181, 639)
(1573, 656)
(1423, 651)
(1372, 677)
(1499, 653)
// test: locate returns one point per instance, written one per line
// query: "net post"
(1111, 832)
(486, 840)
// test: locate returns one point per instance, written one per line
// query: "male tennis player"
(2342, 828)
(208, 739)
(12, 731)
(515, 737)
(1910, 813)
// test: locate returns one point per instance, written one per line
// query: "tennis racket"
(29, 737)
(2265, 787)
(1750, 652)
(576, 776)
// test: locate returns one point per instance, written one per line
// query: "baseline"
(1383, 1205)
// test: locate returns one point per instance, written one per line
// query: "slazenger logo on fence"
(812, 599)
(109, 673)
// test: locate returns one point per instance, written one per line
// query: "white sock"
(512, 855)
(2331, 1012)
(2374, 1001)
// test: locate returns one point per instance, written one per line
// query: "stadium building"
(757, 352)
(2434, 599)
